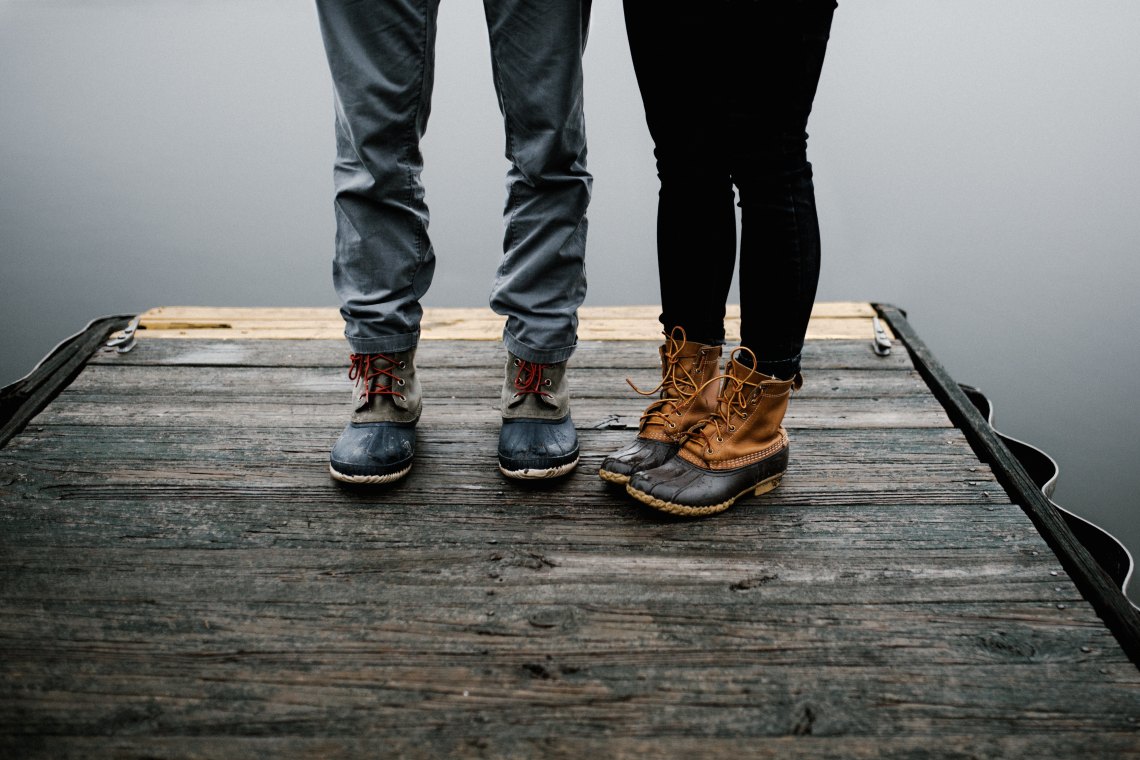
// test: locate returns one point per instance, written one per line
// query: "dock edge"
(1094, 583)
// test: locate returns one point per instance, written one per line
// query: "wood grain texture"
(630, 355)
(830, 321)
(180, 577)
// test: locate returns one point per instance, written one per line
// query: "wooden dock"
(179, 576)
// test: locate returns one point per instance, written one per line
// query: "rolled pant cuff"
(537, 355)
(784, 369)
(388, 344)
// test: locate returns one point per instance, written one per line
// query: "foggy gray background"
(976, 163)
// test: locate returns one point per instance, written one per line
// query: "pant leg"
(777, 55)
(681, 65)
(536, 50)
(381, 56)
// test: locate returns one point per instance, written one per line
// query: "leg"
(684, 95)
(381, 57)
(776, 51)
(536, 49)
(536, 55)
(777, 55)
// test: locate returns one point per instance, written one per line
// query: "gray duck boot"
(379, 442)
(537, 439)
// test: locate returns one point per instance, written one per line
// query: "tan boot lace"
(676, 378)
(735, 397)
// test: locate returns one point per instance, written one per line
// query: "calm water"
(976, 164)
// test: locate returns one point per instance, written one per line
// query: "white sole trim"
(372, 480)
(553, 472)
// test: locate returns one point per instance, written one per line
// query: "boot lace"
(371, 366)
(675, 378)
(529, 379)
(735, 397)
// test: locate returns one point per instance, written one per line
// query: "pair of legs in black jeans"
(728, 87)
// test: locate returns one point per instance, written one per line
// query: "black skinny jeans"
(727, 91)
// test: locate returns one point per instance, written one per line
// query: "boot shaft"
(746, 425)
(385, 387)
(535, 391)
(686, 396)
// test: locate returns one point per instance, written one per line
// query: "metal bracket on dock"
(881, 344)
(126, 340)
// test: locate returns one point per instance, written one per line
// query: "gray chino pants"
(381, 54)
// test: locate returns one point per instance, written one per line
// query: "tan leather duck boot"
(740, 448)
(686, 368)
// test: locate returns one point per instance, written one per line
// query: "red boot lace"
(529, 379)
(367, 366)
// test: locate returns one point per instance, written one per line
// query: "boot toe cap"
(530, 448)
(373, 452)
(640, 455)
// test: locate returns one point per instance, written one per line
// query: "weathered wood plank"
(179, 575)
(853, 354)
(905, 412)
(215, 314)
(829, 321)
(199, 642)
(477, 330)
(123, 383)
(473, 738)
(104, 445)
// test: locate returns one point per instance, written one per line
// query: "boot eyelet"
(672, 424)
(708, 451)
(402, 365)
(546, 382)
(518, 362)
(744, 416)
(719, 439)
(732, 428)
(400, 383)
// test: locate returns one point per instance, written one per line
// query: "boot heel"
(767, 485)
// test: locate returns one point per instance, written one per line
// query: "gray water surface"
(977, 163)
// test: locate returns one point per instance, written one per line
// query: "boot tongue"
(687, 354)
(742, 371)
(379, 381)
(538, 384)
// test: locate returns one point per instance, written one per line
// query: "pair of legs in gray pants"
(381, 55)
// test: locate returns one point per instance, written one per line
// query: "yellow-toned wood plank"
(830, 321)
(192, 314)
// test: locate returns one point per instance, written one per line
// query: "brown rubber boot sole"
(613, 477)
(684, 510)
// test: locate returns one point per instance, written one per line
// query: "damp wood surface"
(179, 577)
